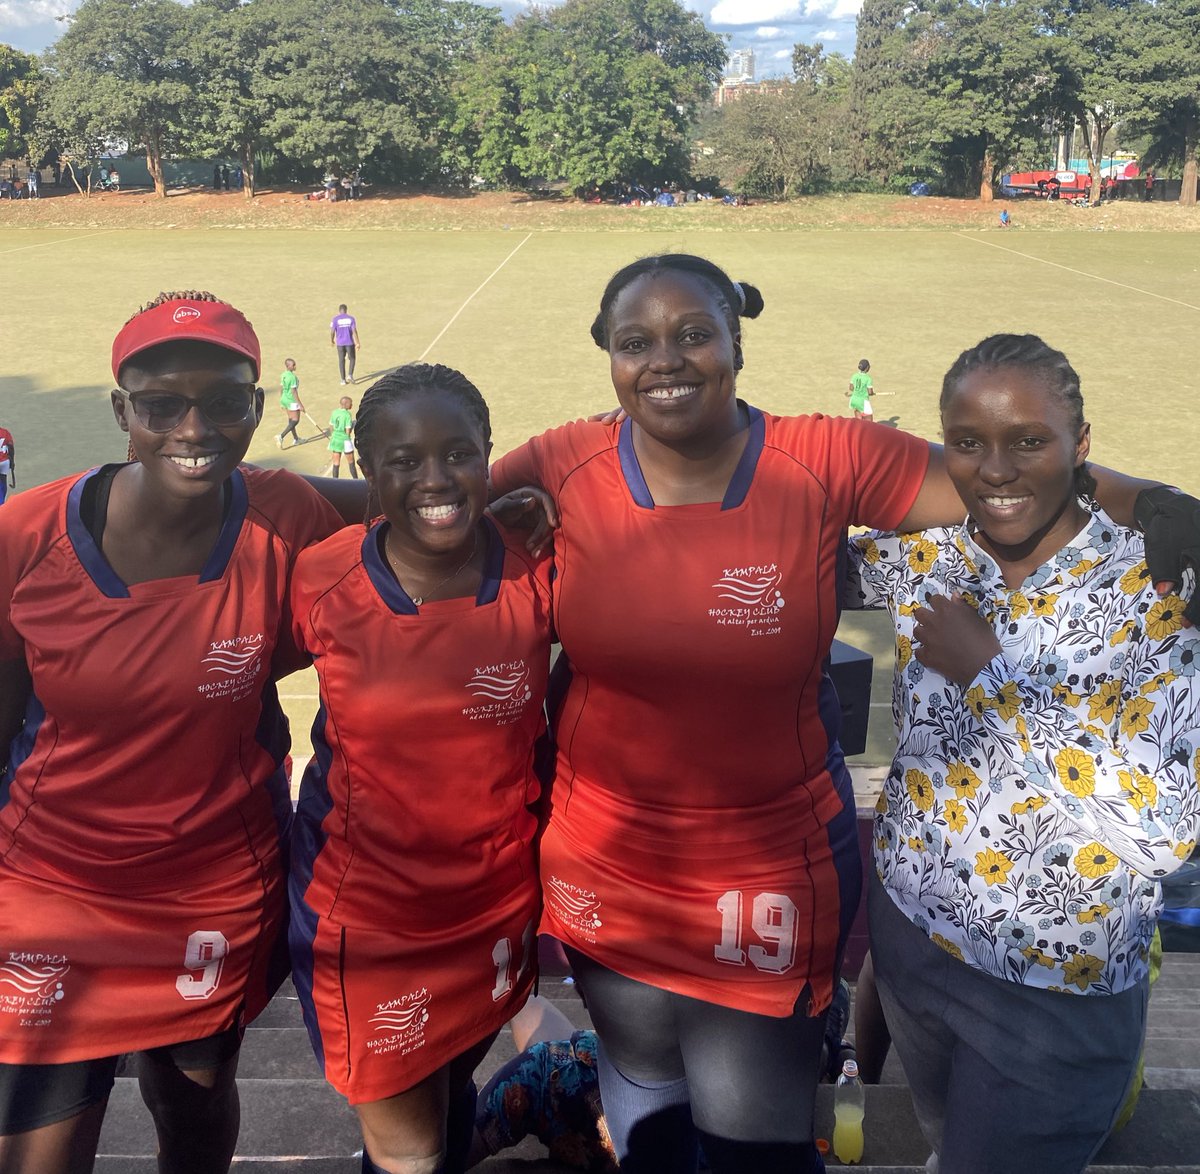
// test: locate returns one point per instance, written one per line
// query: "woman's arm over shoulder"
(548, 459)
(876, 569)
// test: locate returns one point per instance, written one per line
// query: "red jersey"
(6, 448)
(697, 755)
(413, 846)
(149, 769)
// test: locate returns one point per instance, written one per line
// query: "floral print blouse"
(1026, 819)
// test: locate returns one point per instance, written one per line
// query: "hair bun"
(752, 298)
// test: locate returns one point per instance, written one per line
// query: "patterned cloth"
(1025, 820)
(552, 1091)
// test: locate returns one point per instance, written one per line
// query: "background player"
(414, 887)
(341, 431)
(143, 743)
(343, 334)
(289, 400)
(861, 391)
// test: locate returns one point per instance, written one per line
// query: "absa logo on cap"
(185, 314)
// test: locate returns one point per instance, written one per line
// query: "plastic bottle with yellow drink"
(849, 1106)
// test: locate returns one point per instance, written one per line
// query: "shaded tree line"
(416, 92)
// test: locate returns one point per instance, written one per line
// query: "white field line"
(466, 303)
(61, 241)
(1079, 272)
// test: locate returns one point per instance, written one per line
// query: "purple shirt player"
(343, 334)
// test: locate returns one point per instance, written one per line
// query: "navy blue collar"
(374, 558)
(109, 582)
(739, 483)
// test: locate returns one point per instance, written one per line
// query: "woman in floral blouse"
(1047, 702)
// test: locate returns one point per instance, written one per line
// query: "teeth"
(665, 393)
(194, 462)
(1001, 502)
(435, 513)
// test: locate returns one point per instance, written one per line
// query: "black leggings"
(749, 1080)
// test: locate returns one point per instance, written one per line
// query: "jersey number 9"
(773, 921)
(205, 952)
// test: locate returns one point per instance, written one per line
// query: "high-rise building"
(741, 66)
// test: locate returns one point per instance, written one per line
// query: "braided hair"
(408, 382)
(1054, 370)
(738, 299)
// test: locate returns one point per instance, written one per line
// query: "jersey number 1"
(773, 921)
(205, 952)
(502, 957)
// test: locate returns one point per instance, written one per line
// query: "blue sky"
(769, 27)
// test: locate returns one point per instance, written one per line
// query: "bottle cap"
(850, 1068)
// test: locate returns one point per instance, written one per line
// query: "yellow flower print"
(1135, 717)
(1164, 617)
(1022, 734)
(1184, 849)
(948, 946)
(1018, 605)
(1034, 803)
(869, 550)
(955, 815)
(1044, 605)
(1156, 682)
(1094, 860)
(963, 779)
(1102, 705)
(1135, 578)
(881, 803)
(922, 554)
(1093, 913)
(1038, 957)
(916, 843)
(993, 866)
(1007, 700)
(1063, 692)
(904, 651)
(1082, 970)
(977, 700)
(907, 609)
(920, 788)
(1081, 568)
(1122, 633)
(1139, 789)
(881, 844)
(1076, 771)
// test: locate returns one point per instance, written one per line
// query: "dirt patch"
(394, 210)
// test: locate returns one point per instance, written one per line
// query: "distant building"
(740, 69)
(731, 91)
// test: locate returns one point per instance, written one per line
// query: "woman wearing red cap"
(143, 798)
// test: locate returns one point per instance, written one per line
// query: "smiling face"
(196, 456)
(1012, 448)
(672, 356)
(429, 467)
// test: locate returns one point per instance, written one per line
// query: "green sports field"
(512, 309)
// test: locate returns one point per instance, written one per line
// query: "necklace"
(420, 599)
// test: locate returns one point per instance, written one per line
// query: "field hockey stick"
(317, 426)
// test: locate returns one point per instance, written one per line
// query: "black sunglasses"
(162, 411)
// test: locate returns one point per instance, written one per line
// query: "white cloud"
(846, 9)
(23, 14)
(748, 12)
(768, 32)
(782, 55)
(828, 35)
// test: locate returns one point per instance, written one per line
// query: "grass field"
(511, 307)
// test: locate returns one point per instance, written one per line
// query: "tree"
(592, 92)
(1099, 46)
(879, 58)
(19, 82)
(1170, 69)
(124, 63)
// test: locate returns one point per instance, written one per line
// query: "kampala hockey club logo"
(231, 667)
(399, 1024)
(43, 981)
(576, 907)
(500, 692)
(751, 586)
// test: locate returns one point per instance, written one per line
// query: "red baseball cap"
(191, 319)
